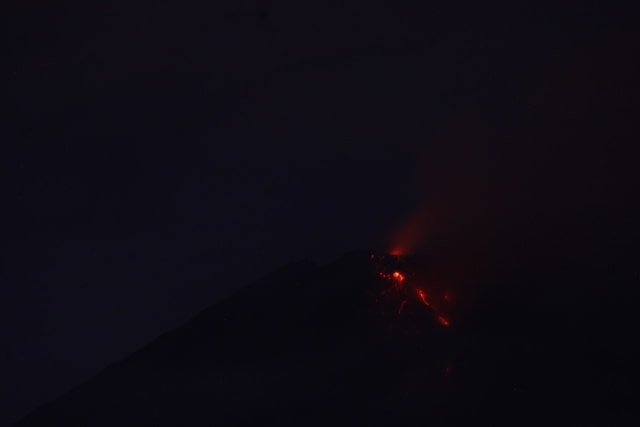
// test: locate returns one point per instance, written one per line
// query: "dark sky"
(157, 157)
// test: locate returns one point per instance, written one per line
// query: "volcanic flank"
(362, 341)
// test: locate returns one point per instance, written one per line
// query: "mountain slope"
(310, 345)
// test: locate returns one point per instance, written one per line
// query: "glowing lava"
(423, 297)
(443, 321)
(402, 288)
(396, 276)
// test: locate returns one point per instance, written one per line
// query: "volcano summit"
(361, 341)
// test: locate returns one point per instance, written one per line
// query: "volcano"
(360, 341)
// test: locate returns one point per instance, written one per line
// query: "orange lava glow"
(398, 276)
(443, 321)
(401, 285)
(423, 297)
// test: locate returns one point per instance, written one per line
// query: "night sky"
(157, 157)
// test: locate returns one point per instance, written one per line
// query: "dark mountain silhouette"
(348, 344)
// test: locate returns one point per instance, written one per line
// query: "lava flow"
(402, 286)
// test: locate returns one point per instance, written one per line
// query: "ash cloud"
(547, 194)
